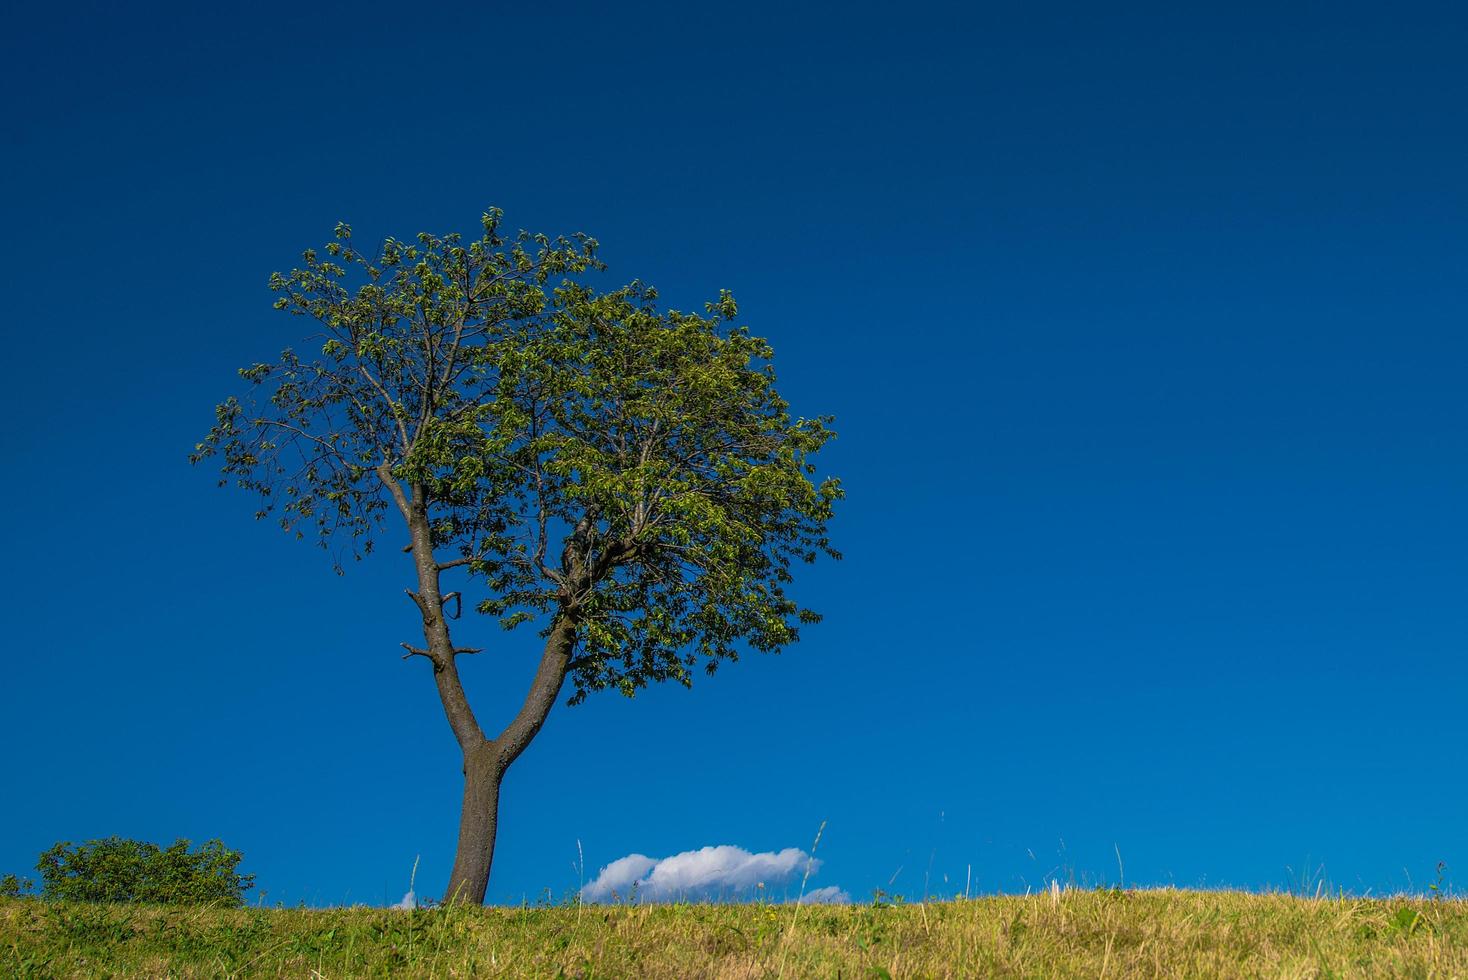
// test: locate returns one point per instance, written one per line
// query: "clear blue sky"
(1143, 327)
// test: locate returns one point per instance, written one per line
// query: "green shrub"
(119, 870)
(13, 887)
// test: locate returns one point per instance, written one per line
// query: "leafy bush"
(119, 870)
(13, 887)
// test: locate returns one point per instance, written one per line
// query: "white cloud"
(618, 877)
(830, 895)
(707, 873)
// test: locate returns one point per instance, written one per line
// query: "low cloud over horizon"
(719, 872)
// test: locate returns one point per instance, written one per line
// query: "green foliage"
(119, 870)
(589, 458)
(13, 887)
(659, 437)
(404, 371)
(1408, 921)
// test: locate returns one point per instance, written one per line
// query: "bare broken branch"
(417, 652)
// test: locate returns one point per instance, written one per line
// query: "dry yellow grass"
(1067, 934)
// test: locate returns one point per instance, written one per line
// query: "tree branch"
(416, 652)
(387, 399)
(544, 689)
(384, 473)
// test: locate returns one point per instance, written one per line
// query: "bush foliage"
(116, 869)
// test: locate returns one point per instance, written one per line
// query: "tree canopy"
(576, 451)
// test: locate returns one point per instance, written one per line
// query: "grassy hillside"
(1090, 934)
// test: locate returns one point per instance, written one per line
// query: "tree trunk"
(486, 762)
(477, 824)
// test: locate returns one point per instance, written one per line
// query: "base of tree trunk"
(477, 824)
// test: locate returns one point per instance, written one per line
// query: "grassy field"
(1073, 933)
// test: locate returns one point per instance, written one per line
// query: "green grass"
(1073, 933)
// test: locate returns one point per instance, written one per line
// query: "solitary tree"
(623, 478)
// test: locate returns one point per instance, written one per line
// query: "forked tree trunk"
(486, 762)
(485, 759)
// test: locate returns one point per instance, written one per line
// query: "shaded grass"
(1072, 933)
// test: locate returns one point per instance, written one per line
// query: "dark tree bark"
(478, 821)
